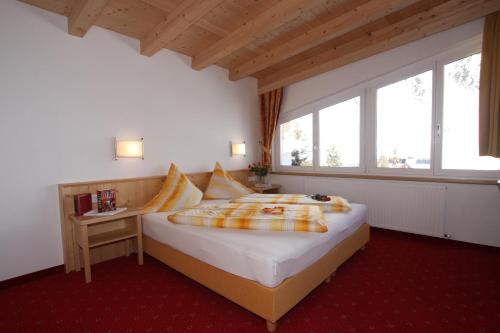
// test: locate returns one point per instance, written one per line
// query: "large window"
(339, 134)
(404, 123)
(461, 117)
(418, 120)
(297, 142)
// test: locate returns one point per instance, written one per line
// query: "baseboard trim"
(18, 280)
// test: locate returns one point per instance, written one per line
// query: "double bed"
(266, 272)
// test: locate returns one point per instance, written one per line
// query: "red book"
(83, 203)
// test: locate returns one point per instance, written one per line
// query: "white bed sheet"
(267, 257)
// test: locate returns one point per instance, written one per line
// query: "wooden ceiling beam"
(442, 17)
(348, 19)
(202, 23)
(284, 11)
(179, 20)
(83, 15)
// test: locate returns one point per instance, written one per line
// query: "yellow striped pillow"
(223, 186)
(176, 193)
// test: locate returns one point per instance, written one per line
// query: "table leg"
(127, 247)
(271, 327)
(76, 248)
(86, 252)
(139, 240)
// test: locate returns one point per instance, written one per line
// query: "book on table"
(83, 203)
(106, 200)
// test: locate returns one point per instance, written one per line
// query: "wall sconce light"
(238, 149)
(129, 148)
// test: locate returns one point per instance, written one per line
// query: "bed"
(263, 271)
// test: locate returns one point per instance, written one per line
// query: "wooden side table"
(86, 242)
(273, 189)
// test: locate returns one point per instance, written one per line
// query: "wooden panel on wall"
(132, 192)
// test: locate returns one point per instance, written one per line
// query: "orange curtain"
(489, 88)
(270, 107)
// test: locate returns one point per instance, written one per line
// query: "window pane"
(461, 117)
(296, 142)
(339, 134)
(404, 123)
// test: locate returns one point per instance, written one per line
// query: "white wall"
(63, 98)
(471, 212)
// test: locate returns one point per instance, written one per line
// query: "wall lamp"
(129, 148)
(238, 149)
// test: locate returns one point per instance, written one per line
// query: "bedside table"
(273, 189)
(131, 229)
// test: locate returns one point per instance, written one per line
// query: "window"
(339, 134)
(418, 120)
(461, 116)
(296, 142)
(404, 123)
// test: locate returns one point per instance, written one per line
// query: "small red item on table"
(277, 210)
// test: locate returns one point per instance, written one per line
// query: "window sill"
(398, 178)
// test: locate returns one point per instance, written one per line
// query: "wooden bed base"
(268, 303)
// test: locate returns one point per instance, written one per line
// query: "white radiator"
(405, 206)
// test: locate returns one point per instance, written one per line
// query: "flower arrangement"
(259, 169)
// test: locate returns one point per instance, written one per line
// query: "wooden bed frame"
(268, 303)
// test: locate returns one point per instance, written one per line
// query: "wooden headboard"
(132, 192)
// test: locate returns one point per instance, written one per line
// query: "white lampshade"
(238, 149)
(129, 148)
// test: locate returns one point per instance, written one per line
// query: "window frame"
(331, 101)
(277, 142)
(368, 121)
(314, 109)
(385, 80)
(453, 55)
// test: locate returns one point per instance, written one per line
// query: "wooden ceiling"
(279, 42)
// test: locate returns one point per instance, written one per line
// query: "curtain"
(270, 107)
(489, 88)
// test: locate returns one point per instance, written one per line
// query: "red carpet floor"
(400, 283)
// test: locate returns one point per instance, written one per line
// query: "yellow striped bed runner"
(336, 204)
(254, 217)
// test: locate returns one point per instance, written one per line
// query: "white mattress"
(267, 257)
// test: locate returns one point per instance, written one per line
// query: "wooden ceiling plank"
(348, 20)
(167, 7)
(418, 26)
(179, 20)
(163, 5)
(277, 15)
(62, 7)
(202, 23)
(212, 28)
(83, 15)
(130, 18)
(354, 35)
